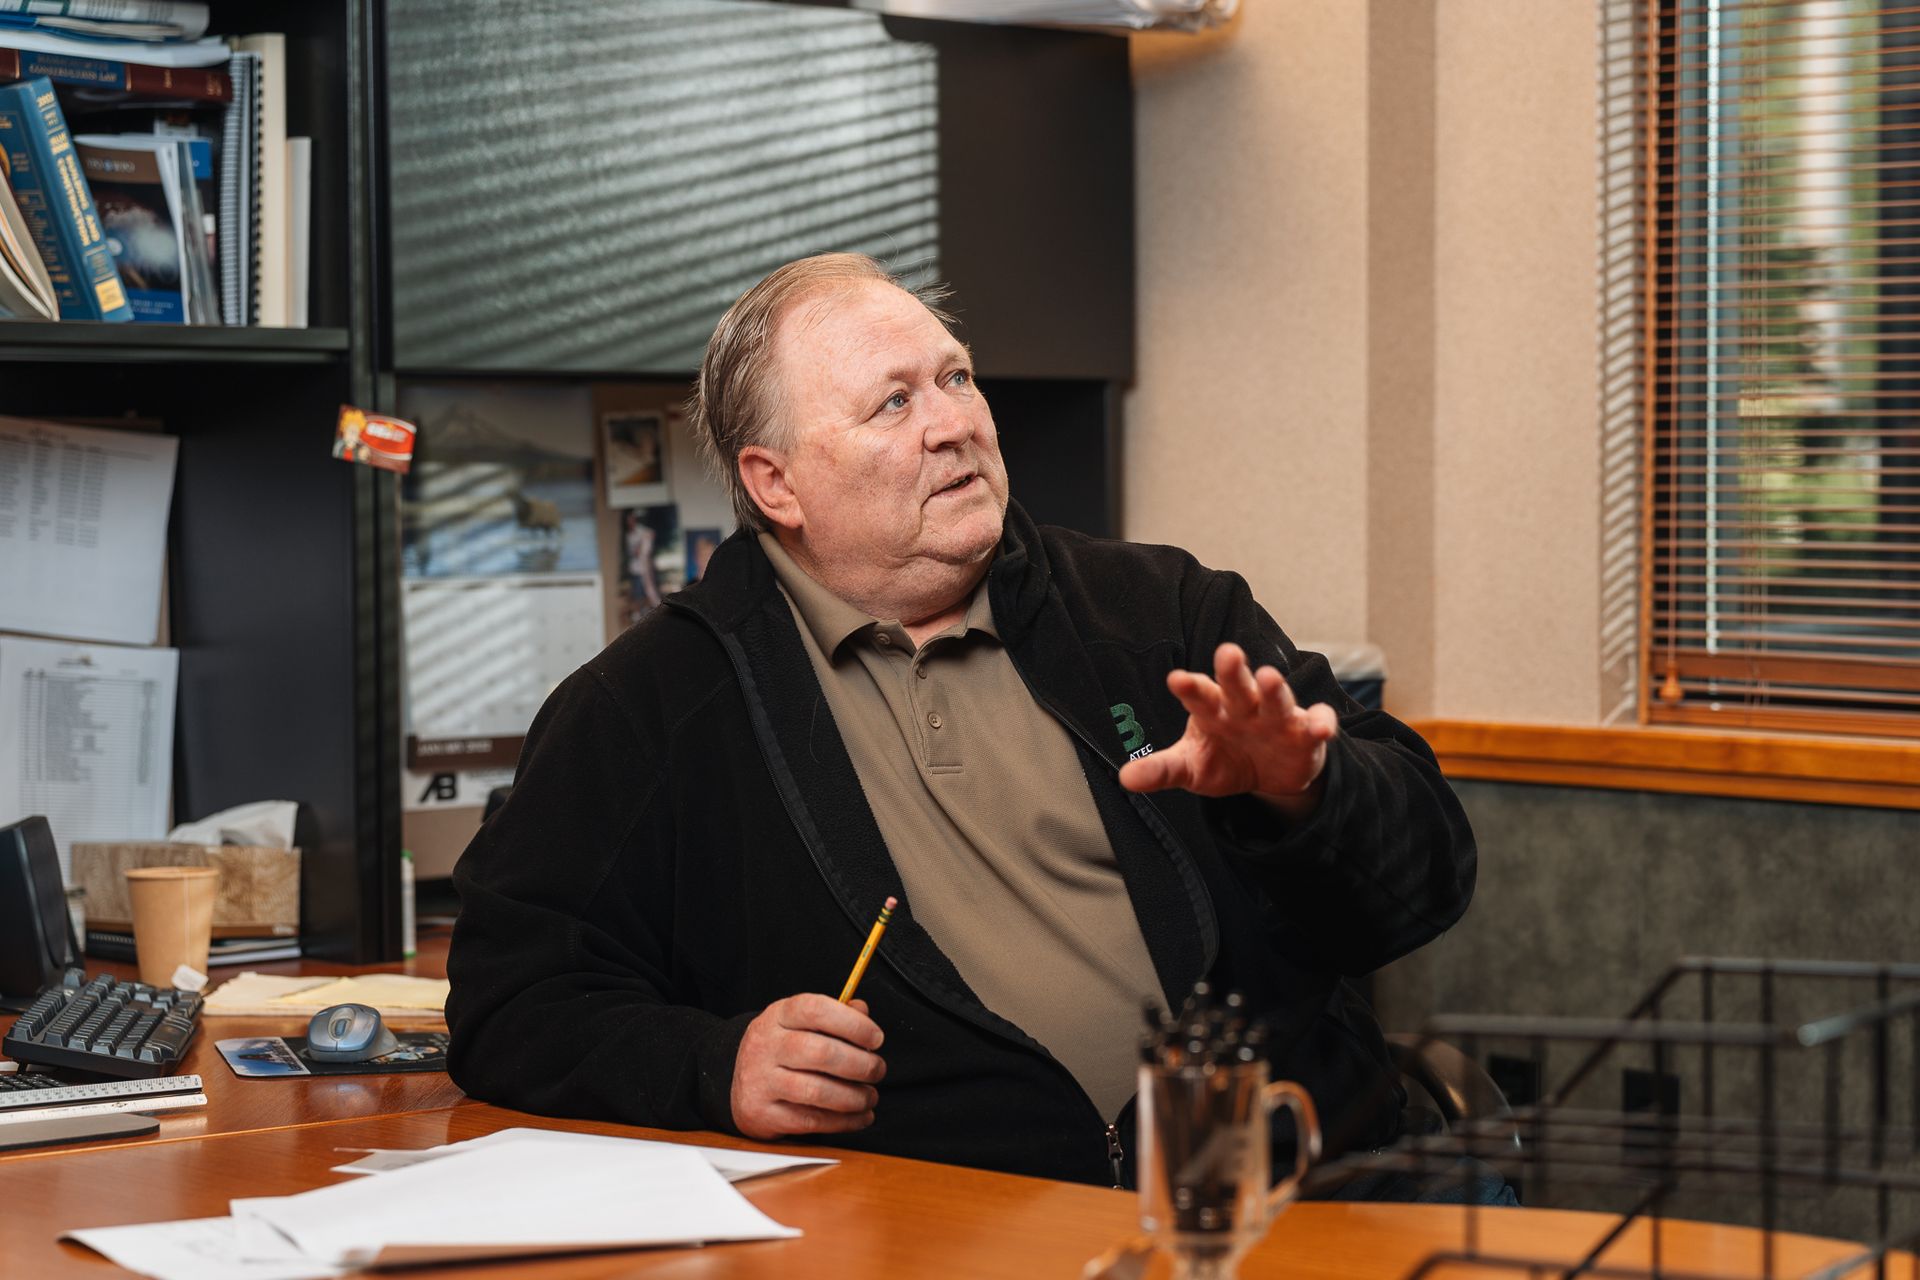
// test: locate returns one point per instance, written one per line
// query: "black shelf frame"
(94, 342)
(282, 571)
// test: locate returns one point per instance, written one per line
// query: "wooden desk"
(235, 1105)
(868, 1218)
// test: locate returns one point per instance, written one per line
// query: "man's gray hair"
(736, 400)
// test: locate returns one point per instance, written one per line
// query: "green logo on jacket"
(1133, 739)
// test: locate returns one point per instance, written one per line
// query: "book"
(103, 79)
(115, 19)
(105, 944)
(57, 205)
(25, 291)
(300, 228)
(210, 52)
(150, 210)
(272, 210)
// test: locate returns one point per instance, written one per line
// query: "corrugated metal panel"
(586, 186)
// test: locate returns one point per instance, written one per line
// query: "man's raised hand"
(1245, 735)
(807, 1064)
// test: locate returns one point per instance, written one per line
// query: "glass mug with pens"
(1205, 1107)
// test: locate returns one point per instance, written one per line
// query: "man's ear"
(764, 473)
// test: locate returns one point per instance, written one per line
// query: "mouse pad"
(263, 1057)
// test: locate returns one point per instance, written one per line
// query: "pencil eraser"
(892, 903)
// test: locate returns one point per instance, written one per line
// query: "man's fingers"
(1238, 690)
(1276, 695)
(1158, 772)
(1199, 695)
(805, 1065)
(823, 1093)
(1323, 722)
(811, 1051)
(814, 1012)
(787, 1118)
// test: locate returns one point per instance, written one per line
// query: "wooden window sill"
(1878, 772)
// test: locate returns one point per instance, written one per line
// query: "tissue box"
(259, 893)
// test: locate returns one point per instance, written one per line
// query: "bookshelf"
(284, 564)
(91, 343)
(279, 576)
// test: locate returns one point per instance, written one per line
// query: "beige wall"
(1367, 327)
(1249, 413)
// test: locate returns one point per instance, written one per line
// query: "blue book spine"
(201, 150)
(58, 208)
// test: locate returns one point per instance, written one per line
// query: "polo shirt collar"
(830, 620)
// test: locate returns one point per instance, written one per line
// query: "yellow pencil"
(866, 952)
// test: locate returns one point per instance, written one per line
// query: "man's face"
(893, 458)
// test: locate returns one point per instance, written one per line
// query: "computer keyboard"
(107, 1026)
(26, 1097)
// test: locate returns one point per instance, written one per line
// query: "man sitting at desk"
(891, 681)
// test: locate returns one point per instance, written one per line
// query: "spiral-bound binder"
(240, 195)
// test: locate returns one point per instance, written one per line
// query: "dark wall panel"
(1585, 898)
(1060, 442)
(1036, 194)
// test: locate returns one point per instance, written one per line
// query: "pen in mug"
(866, 952)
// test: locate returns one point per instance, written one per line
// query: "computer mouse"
(348, 1033)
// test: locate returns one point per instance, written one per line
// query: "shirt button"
(921, 672)
(882, 639)
(933, 718)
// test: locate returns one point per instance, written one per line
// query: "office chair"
(1455, 1087)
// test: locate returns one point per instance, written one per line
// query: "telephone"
(36, 933)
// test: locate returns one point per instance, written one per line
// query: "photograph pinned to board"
(635, 448)
(501, 592)
(502, 481)
(652, 564)
(701, 544)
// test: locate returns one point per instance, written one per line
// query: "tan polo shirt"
(984, 807)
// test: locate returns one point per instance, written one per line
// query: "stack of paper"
(518, 1193)
(734, 1166)
(267, 995)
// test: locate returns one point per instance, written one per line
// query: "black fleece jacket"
(687, 842)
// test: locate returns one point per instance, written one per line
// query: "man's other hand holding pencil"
(809, 1063)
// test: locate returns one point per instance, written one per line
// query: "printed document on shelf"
(83, 530)
(86, 738)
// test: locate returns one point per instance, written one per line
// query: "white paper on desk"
(83, 530)
(523, 1197)
(199, 1249)
(86, 738)
(734, 1166)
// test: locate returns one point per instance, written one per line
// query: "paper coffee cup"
(172, 919)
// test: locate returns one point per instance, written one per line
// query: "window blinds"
(1782, 527)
